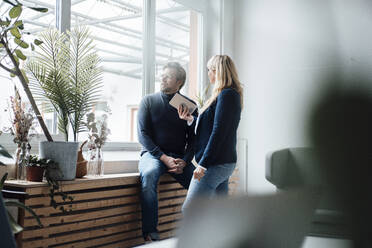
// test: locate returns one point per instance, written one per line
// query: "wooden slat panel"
(45, 232)
(172, 201)
(168, 226)
(83, 216)
(83, 235)
(167, 178)
(80, 225)
(173, 193)
(103, 183)
(169, 186)
(87, 205)
(167, 210)
(44, 200)
(104, 240)
(101, 227)
(173, 217)
(167, 234)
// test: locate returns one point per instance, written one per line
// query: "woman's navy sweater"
(216, 130)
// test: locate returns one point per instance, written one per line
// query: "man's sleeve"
(144, 130)
(189, 153)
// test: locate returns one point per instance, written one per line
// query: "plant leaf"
(20, 54)
(21, 43)
(4, 23)
(4, 152)
(14, 31)
(43, 10)
(15, 11)
(38, 42)
(21, 205)
(3, 180)
(18, 23)
(32, 47)
(14, 225)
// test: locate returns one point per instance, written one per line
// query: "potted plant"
(81, 165)
(66, 71)
(35, 168)
(12, 44)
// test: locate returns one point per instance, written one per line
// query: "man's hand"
(180, 165)
(169, 161)
(180, 162)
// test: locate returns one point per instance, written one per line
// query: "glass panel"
(34, 22)
(116, 27)
(177, 40)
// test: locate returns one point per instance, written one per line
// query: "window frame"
(63, 22)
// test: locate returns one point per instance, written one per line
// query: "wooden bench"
(105, 212)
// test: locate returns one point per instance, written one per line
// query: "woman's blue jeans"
(214, 182)
(151, 169)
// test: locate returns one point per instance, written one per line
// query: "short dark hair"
(181, 73)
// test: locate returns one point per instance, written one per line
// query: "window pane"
(116, 27)
(177, 40)
(34, 22)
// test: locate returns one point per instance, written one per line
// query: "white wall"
(282, 49)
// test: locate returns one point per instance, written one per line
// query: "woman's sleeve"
(226, 115)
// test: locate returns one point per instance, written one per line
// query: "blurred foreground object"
(281, 220)
(341, 130)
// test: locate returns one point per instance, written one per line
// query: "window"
(176, 40)
(34, 22)
(117, 28)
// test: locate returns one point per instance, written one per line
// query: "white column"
(148, 56)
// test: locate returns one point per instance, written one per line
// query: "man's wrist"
(163, 158)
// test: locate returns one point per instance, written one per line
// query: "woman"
(215, 146)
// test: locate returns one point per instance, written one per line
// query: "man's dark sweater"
(160, 130)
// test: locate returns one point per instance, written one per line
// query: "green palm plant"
(67, 72)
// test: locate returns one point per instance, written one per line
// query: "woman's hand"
(184, 113)
(199, 173)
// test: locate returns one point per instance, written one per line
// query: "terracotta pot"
(81, 165)
(81, 169)
(34, 173)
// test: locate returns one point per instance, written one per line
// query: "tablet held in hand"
(178, 100)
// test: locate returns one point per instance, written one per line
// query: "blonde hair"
(226, 77)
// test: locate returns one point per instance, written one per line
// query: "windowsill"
(115, 162)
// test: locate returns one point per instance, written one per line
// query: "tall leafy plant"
(12, 47)
(67, 71)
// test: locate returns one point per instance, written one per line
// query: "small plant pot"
(81, 169)
(34, 173)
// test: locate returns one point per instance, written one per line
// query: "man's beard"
(165, 89)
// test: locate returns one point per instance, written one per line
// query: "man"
(167, 145)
